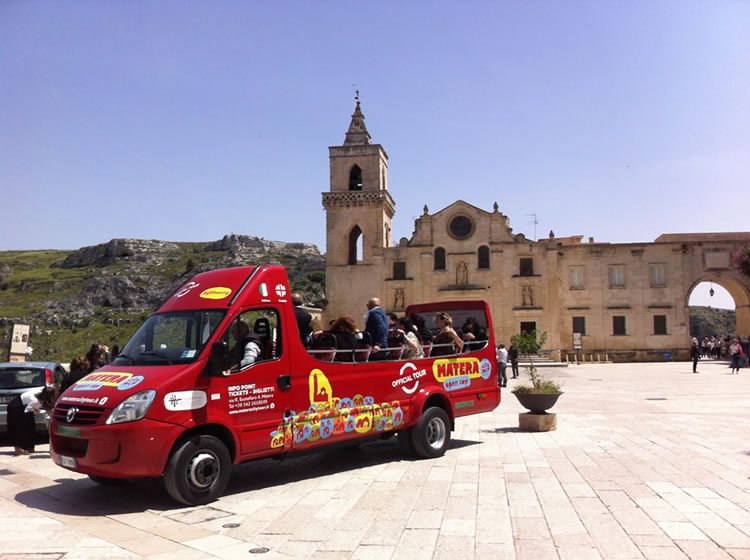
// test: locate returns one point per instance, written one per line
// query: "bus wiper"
(156, 354)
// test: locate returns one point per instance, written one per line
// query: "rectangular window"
(399, 271)
(660, 324)
(657, 275)
(528, 326)
(617, 276)
(526, 267)
(618, 325)
(576, 277)
(579, 325)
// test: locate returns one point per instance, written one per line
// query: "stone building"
(629, 300)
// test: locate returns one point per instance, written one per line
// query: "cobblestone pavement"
(648, 461)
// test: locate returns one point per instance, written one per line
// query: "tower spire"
(357, 133)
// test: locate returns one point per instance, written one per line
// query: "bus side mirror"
(218, 359)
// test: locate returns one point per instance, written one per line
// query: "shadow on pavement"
(83, 497)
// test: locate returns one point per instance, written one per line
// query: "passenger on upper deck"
(423, 333)
(376, 323)
(412, 346)
(473, 334)
(345, 332)
(304, 319)
(392, 322)
(446, 341)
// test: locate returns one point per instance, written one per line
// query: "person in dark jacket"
(345, 333)
(304, 319)
(79, 368)
(513, 359)
(377, 326)
(96, 357)
(695, 355)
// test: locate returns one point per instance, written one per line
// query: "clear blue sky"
(189, 120)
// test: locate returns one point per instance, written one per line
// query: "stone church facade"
(628, 300)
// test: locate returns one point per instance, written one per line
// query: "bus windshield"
(172, 338)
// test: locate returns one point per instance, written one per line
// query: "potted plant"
(542, 393)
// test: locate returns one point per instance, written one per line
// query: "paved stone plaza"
(648, 461)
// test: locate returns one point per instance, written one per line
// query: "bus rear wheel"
(430, 436)
(198, 470)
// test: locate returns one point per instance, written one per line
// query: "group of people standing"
(717, 347)
(735, 349)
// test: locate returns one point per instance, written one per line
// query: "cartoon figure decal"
(330, 416)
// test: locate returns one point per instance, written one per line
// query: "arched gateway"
(629, 300)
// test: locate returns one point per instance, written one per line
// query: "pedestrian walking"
(513, 357)
(502, 363)
(735, 355)
(695, 355)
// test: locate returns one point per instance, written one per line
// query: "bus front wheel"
(198, 470)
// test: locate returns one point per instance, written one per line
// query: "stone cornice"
(370, 199)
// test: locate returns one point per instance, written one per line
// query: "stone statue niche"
(462, 274)
(398, 299)
(527, 296)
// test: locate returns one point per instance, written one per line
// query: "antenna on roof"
(535, 222)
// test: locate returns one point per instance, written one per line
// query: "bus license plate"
(69, 462)
(67, 431)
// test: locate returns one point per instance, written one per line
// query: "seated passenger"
(423, 333)
(248, 347)
(446, 341)
(345, 332)
(317, 329)
(472, 330)
(412, 345)
(392, 323)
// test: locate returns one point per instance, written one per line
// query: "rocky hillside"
(709, 321)
(101, 293)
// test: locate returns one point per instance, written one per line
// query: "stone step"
(542, 363)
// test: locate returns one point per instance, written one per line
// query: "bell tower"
(359, 211)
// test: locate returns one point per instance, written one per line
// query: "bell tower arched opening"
(356, 245)
(355, 178)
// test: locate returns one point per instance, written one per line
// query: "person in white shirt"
(502, 363)
(21, 411)
(248, 347)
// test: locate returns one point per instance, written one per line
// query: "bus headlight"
(133, 408)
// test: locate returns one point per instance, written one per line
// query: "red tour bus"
(173, 405)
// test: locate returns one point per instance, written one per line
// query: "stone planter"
(537, 403)
(537, 419)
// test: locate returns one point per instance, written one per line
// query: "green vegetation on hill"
(708, 321)
(101, 294)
